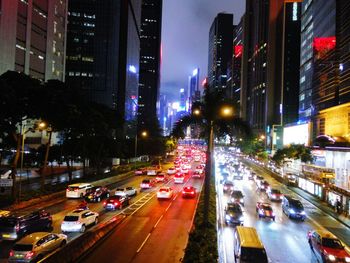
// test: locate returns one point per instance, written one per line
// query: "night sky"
(185, 33)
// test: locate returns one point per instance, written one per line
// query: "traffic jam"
(29, 236)
(261, 220)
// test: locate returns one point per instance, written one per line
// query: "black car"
(16, 225)
(115, 202)
(96, 194)
(234, 214)
(237, 197)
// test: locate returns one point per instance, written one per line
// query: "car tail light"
(17, 227)
(75, 190)
(12, 253)
(184, 192)
(192, 193)
(30, 254)
(104, 203)
(116, 203)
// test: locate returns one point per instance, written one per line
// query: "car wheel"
(63, 243)
(98, 199)
(96, 221)
(82, 229)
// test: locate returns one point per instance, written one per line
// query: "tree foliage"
(293, 151)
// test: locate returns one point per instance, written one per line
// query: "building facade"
(220, 50)
(103, 52)
(33, 37)
(150, 60)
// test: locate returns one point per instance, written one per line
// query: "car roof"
(77, 212)
(165, 187)
(78, 184)
(32, 238)
(325, 234)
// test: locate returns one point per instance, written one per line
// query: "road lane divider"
(158, 221)
(143, 243)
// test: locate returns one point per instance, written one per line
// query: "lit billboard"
(298, 134)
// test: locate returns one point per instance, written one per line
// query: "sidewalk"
(321, 205)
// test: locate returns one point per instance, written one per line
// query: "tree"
(214, 113)
(293, 151)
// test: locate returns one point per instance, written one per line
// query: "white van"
(248, 247)
(77, 190)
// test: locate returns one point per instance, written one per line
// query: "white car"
(78, 220)
(35, 246)
(184, 170)
(151, 172)
(128, 191)
(179, 179)
(171, 171)
(77, 190)
(187, 166)
(165, 193)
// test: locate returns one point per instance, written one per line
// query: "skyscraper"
(193, 87)
(150, 59)
(103, 52)
(220, 50)
(33, 37)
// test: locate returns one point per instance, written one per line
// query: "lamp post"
(143, 134)
(44, 126)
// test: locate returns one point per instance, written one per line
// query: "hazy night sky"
(185, 36)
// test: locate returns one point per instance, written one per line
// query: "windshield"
(297, 204)
(73, 188)
(235, 209)
(237, 194)
(267, 208)
(145, 181)
(22, 247)
(71, 218)
(331, 243)
(253, 255)
(275, 191)
(119, 190)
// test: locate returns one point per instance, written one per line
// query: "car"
(187, 166)
(189, 191)
(264, 210)
(96, 194)
(147, 184)
(184, 170)
(165, 193)
(179, 178)
(199, 169)
(161, 178)
(264, 185)
(18, 224)
(197, 174)
(33, 247)
(233, 214)
(5, 173)
(171, 171)
(291, 179)
(228, 186)
(237, 197)
(126, 191)
(116, 202)
(77, 190)
(274, 194)
(78, 220)
(223, 177)
(140, 171)
(327, 247)
(258, 179)
(237, 175)
(293, 208)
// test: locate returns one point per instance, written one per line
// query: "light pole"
(144, 134)
(44, 126)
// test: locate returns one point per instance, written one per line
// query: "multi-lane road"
(150, 229)
(285, 240)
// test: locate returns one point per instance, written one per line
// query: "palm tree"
(214, 113)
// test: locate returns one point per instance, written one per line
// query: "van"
(248, 247)
(293, 208)
(77, 190)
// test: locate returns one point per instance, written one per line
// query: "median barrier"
(81, 245)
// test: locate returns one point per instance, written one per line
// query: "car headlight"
(347, 259)
(228, 217)
(261, 212)
(241, 218)
(303, 213)
(291, 211)
(331, 257)
(241, 200)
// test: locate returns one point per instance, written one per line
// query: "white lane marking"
(158, 221)
(143, 243)
(138, 208)
(168, 206)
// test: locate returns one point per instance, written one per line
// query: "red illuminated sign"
(324, 44)
(238, 51)
(204, 82)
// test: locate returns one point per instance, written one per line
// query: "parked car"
(189, 191)
(116, 202)
(264, 210)
(274, 194)
(35, 246)
(147, 184)
(165, 193)
(16, 225)
(126, 191)
(78, 220)
(327, 247)
(96, 194)
(234, 214)
(77, 190)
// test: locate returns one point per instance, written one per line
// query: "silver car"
(35, 246)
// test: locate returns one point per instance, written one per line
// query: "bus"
(319, 173)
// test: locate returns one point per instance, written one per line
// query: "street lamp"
(44, 126)
(143, 134)
(196, 112)
(226, 111)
